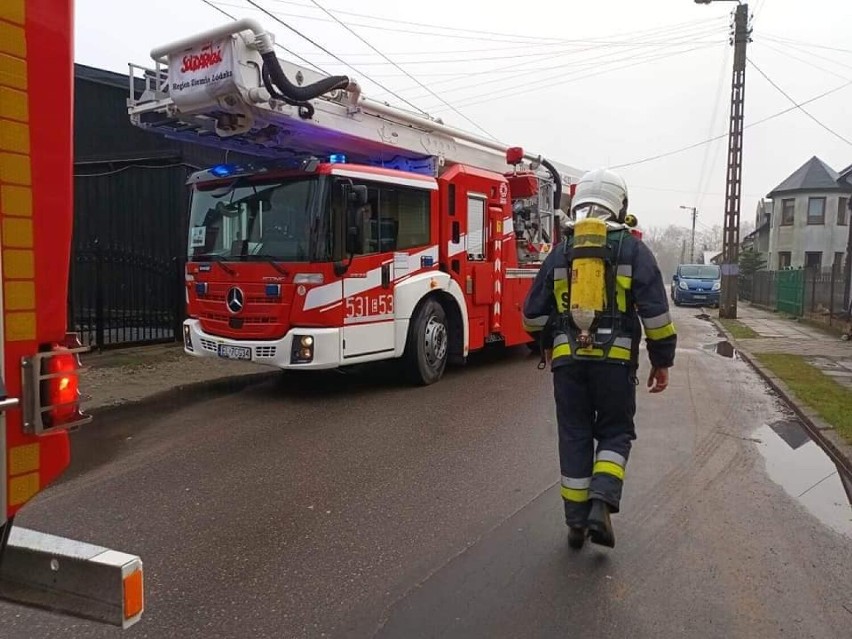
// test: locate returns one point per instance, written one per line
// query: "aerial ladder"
(226, 88)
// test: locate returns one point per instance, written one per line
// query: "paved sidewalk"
(781, 335)
(122, 376)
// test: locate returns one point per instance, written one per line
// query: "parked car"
(697, 284)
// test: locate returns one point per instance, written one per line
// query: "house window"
(816, 210)
(838, 262)
(788, 208)
(813, 259)
(842, 211)
(784, 259)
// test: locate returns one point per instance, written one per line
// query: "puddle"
(703, 316)
(723, 348)
(799, 465)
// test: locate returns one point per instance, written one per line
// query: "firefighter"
(590, 301)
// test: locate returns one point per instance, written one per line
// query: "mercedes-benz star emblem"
(235, 300)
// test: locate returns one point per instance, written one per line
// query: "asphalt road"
(354, 506)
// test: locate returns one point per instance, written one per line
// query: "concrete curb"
(184, 395)
(820, 431)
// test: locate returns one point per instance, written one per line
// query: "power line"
(704, 174)
(676, 38)
(283, 48)
(723, 135)
(810, 53)
(322, 48)
(802, 43)
(787, 54)
(396, 66)
(798, 106)
(527, 39)
(542, 82)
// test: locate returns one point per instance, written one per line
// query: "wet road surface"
(353, 506)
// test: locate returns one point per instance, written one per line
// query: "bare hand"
(658, 380)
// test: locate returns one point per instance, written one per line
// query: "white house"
(809, 223)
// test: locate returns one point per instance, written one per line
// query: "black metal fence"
(818, 294)
(128, 254)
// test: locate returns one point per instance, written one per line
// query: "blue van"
(697, 284)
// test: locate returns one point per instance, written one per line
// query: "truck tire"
(427, 345)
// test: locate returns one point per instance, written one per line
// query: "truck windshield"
(282, 220)
(700, 272)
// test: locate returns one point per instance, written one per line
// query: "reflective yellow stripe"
(623, 283)
(590, 352)
(617, 352)
(609, 468)
(560, 293)
(532, 328)
(661, 333)
(563, 350)
(23, 488)
(24, 459)
(575, 494)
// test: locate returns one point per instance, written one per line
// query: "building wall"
(801, 237)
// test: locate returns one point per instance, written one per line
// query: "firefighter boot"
(576, 537)
(600, 527)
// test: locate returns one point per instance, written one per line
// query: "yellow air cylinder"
(587, 278)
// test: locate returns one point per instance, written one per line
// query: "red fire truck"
(350, 231)
(39, 397)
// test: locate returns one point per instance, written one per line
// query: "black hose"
(297, 93)
(306, 109)
(557, 183)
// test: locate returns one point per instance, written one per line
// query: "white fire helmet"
(601, 194)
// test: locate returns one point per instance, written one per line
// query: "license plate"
(700, 297)
(234, 352)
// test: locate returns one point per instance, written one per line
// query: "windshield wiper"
(218, 259)
(269, 259)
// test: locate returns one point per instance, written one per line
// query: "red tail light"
(52, 388)
(60, 391)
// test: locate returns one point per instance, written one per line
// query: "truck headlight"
(303, 349)
(717, 286)
(682, 285)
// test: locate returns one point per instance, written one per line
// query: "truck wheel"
(427, 346)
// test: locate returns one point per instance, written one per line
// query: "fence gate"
(791, 292)
(128, 255)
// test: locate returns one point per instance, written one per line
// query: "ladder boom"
(219, 88)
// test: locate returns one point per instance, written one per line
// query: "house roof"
(846, 174)
(813, 175)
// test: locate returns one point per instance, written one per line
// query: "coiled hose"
(280, 87)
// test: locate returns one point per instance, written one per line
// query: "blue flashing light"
(201, 288)
(273, 290)
(337, 158)
(426, 261)
(222, 170)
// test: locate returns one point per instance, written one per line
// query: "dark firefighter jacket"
(635, 292)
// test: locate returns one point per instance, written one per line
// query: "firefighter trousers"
(595, 401)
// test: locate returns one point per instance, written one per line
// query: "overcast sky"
(590, 84)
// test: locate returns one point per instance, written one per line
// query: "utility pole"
(692, 246)
(683, 252)
(731, 235)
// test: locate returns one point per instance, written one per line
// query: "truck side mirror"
(353, 230)
(357, 195)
